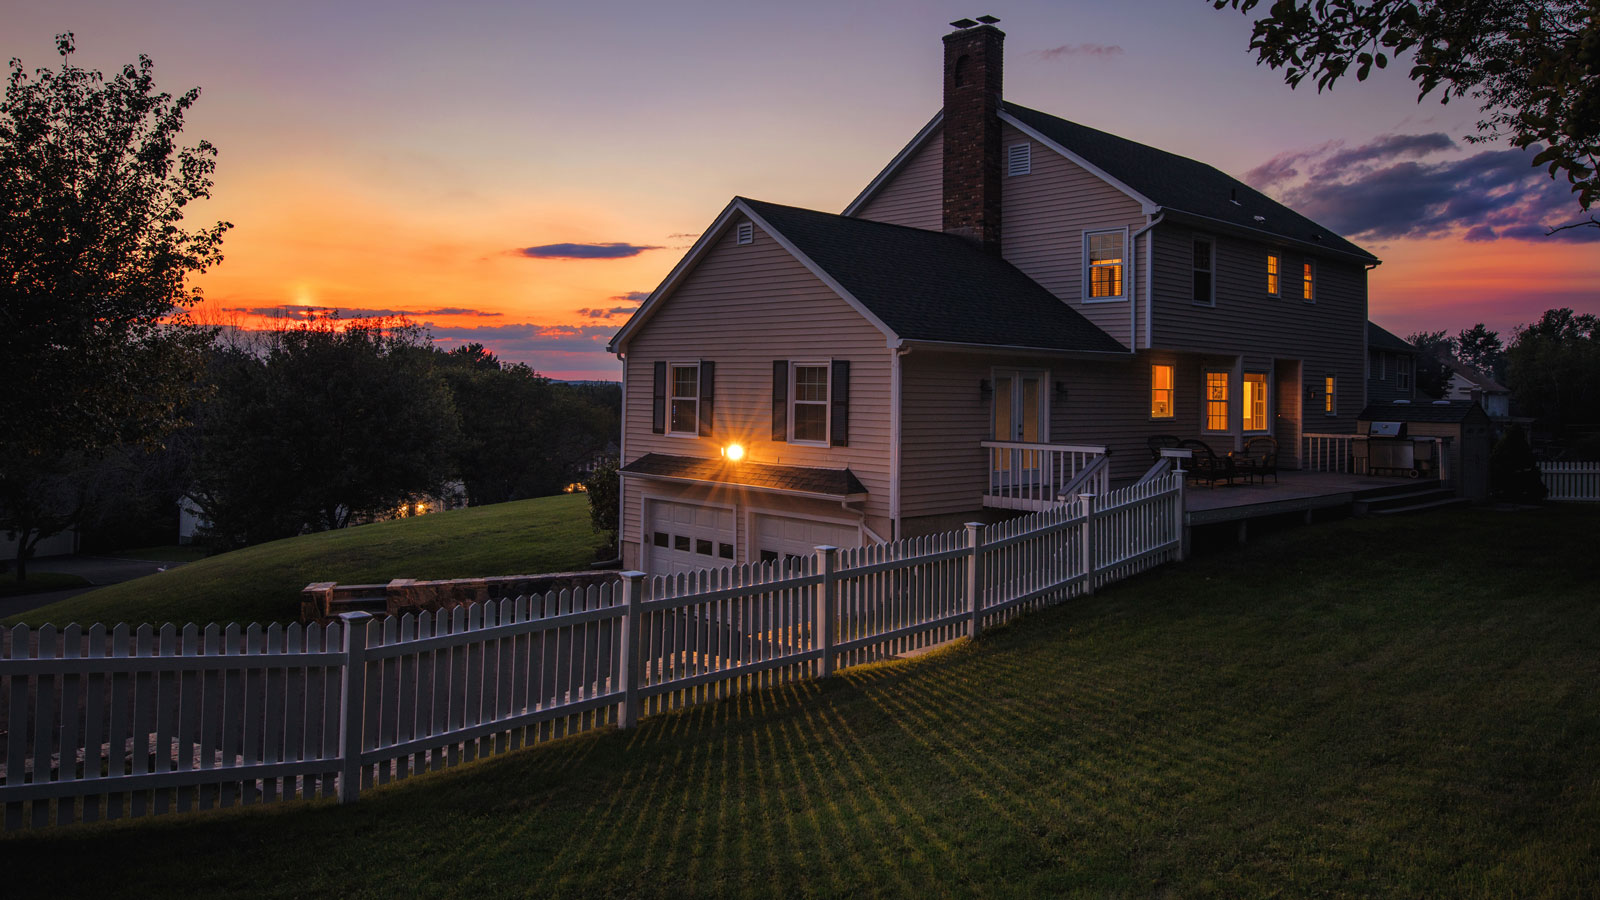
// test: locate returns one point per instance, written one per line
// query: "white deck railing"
(1571, 480)
(1329, 452)
(1033, 476)
(107, 724)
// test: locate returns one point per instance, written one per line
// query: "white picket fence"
(1571, 480)
(106, 724)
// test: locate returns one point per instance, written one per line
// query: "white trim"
(827, 404)
(1124, 264)
(1205, 400)
(672, 383)
(1148, 206)
(900, 158)
(1211, 269)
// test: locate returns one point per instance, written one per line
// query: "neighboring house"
(1467, 383)
(1391, 367)
(1013, 295)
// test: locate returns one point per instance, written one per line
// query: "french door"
(1018, 415)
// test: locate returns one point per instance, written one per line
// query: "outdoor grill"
(1391, 452)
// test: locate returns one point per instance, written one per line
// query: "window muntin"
(808, 404)
(1308, 289)
(1203, 280)
(1330, 387)
(1161, 387)
(1274, 268)
(683, 413)
(1216, 401)
(1253, 401)
(1103, 253)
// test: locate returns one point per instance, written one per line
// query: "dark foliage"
(1513, 474)
(605, 491)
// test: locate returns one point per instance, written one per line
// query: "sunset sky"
(522, 174)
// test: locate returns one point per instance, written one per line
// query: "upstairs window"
(810, 408)
(1308, 290)
(684, 408)
(1202, 272)
(1273, 270)
(1019, 159)
(1216, 401)
(1103, 254)
(1253, 401)
(1160, 391)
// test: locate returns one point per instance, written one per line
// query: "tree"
(1533, 66)
(331, 422)
(1481, 349)
(604, 487)
(1553, 367)
(1433, 348)
(96, 350)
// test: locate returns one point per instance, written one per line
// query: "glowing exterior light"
(734, 452)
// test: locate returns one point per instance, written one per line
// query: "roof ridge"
(856, 219)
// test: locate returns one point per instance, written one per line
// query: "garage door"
(783, 537)
(682, 537)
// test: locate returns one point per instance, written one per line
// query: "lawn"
(1377, 707)
(263, 583)
(38, 582)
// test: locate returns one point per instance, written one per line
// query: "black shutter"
(780, 400)
(839, 394)
(658, 406)
(708, 373)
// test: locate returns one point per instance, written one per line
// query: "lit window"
(1253, 400)
(1202, 272)
(1329, 389)
(1104, 252)
(809, 409)
(1309, 289)
(1160, 392)
(1216, 401)
(1272, 274)
(685, 408)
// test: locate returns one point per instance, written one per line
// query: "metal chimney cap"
(962, 23)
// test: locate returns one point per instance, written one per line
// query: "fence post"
(629, 663)
(1088, 542)
(352, 697)
(974, 579)
(1178, 528)
(827, 602)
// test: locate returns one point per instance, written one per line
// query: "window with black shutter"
(708, 371)
(658, 403)
(780, 400)
(839, 396)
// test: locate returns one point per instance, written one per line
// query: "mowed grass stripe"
(1395, 707)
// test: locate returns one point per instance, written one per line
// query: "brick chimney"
(973, 65)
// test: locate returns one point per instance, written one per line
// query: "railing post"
(827, 603)
(629, 663)
(974, 579)
(1178, 527)
(352, 696)
(1088, 542)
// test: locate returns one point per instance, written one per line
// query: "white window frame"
(672, 384)
(1266, 402)
(827, 403)
(1127, 268)
(1013, 157)
(1227, 401)
(1212, 271)
(1308, 280)
(1172, 392)
(1274, 278)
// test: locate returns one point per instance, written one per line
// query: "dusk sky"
(521, 174)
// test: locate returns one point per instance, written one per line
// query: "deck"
(1294, 492)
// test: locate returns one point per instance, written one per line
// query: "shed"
(1463, 422)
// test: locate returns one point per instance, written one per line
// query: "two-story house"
(1013, 295)
(1391, 366)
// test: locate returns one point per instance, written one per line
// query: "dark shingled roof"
(1426, 411)
(1379, 339)
(831, 482)
(931, 286)
(1182, 184)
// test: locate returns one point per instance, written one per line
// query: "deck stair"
(1412, 497)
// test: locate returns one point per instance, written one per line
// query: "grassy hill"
(262, 583)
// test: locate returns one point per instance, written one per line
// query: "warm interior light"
(734, 452)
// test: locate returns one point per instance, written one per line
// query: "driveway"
(98, 570)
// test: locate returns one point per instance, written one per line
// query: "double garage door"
(683, 537)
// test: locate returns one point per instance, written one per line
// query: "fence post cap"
(825, 548)
(355, 616)
(634, 575)
(975, 524)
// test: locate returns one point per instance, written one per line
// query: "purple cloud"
(524, 338)
(610, 313)
(307, 313)
(584, 251)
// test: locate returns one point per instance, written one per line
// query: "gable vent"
(1019, 159)
(746, 233)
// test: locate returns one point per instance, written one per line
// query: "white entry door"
(683, 537)
(782, 538)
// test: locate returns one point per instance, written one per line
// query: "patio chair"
(1262, 453)
(1160, 442)
(1206, 465)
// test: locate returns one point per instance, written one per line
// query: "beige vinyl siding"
(914, 197)
(1327, 337)
(1044, 215)
(743, 307)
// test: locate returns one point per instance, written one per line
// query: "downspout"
(622, 455)
(895, 379)
(1149, 289)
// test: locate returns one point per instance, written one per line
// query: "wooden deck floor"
(1293, 492)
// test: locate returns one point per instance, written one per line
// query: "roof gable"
(1379, 338)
